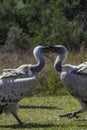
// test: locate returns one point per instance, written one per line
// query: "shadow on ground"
(30, 125)
(39, 107)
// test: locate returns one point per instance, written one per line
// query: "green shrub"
(53, 81)
(16, 39)
(44, 22)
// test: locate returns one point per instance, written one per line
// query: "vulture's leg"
(18, 119)
(72, 114)
(14, 110)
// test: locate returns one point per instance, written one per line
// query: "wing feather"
(21, 71)
(12, 90)
(76, 85)
(80, 69)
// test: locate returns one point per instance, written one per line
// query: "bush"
(53, 82)
(49, 83)
(44, 23)
(16, 39)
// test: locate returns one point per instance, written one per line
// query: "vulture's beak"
(46, 49)
(54, 48)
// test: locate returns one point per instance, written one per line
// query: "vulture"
(16, 84)
(74, 78)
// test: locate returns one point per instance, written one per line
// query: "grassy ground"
(41, 113)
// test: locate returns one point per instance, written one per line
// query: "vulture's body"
(76, 83)
(16, 84)
(74, 78)
(12, 90)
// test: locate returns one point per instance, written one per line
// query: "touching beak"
(46, 49)
(53, 48)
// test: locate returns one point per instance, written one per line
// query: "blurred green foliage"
(43, 22)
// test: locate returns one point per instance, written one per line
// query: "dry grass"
(14, 59)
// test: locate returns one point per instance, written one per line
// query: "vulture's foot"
(20, 123)
(23, 124)
(71, 115)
